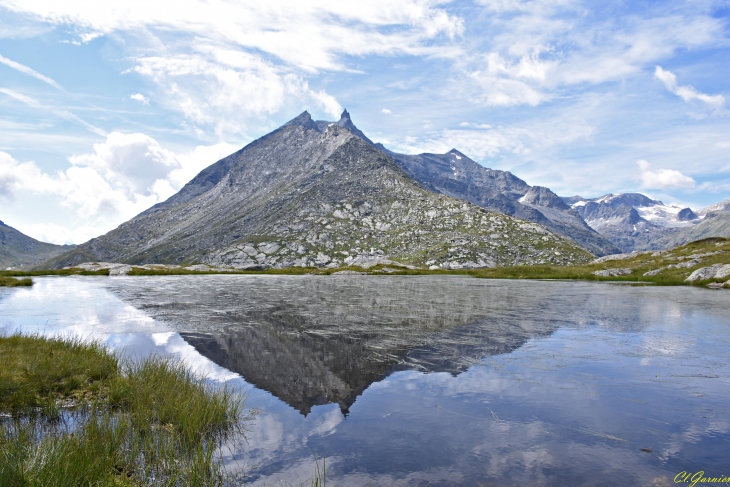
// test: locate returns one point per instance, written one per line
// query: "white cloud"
(225, 65)
(537, 50)
(61, 235)
(29, 71)
(133, 162)
(662, 178)
(305, 34)
(687, 93)
(228, 93)
(196, 160)
(495, 91)
(385, 110)
(141, 98)
(522, 140)
(122, 177)
(10, 175)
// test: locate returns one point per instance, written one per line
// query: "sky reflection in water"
(452, 381)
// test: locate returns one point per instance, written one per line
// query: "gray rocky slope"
(317, 194)
(18, 250)
(456, 175)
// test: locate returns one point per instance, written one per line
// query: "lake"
(426, 380)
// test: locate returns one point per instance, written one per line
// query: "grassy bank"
(11, 282)
(74, 413)
(639, 265)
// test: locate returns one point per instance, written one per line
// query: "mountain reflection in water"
(316, 340)
(583, 383)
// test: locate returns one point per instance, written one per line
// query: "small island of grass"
(12, 282)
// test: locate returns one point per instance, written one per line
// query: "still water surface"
(431, 380)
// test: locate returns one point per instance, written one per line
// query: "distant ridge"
(18, 250)
(633, 221)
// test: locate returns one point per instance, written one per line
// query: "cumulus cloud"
(132, 162)
(663, 178)
(385, 110)
(59, 234)
(687, 93)
(141, 98)
(123, 176)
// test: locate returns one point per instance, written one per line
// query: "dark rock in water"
(253, 268)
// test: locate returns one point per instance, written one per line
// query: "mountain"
(20, 250)
(317, 194)
(454, 174)
(631, 221)
(717, 207)
(714, 224)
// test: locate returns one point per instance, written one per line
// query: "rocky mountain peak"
(346, 122)
(542, 196)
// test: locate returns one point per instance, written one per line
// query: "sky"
(107, 108)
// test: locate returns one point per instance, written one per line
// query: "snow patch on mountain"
(666, 216)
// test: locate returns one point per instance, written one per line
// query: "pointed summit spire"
(346, 122)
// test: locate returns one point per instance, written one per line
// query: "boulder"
(704, 273)
(654, 272)
(723, 271)
(120, 270)
(612, 272)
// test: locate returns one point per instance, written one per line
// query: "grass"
(12, 282)
(146, 422)
(59, 272)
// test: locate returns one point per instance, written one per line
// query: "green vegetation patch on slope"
(689, 257)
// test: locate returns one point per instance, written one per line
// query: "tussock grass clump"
(144, 422)
(36, 370)
(11, 282)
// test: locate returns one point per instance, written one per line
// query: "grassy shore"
(74, 413)
(639, 265)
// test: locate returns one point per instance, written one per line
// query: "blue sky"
(107, 108)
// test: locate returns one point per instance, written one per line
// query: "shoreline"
(700, 263)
